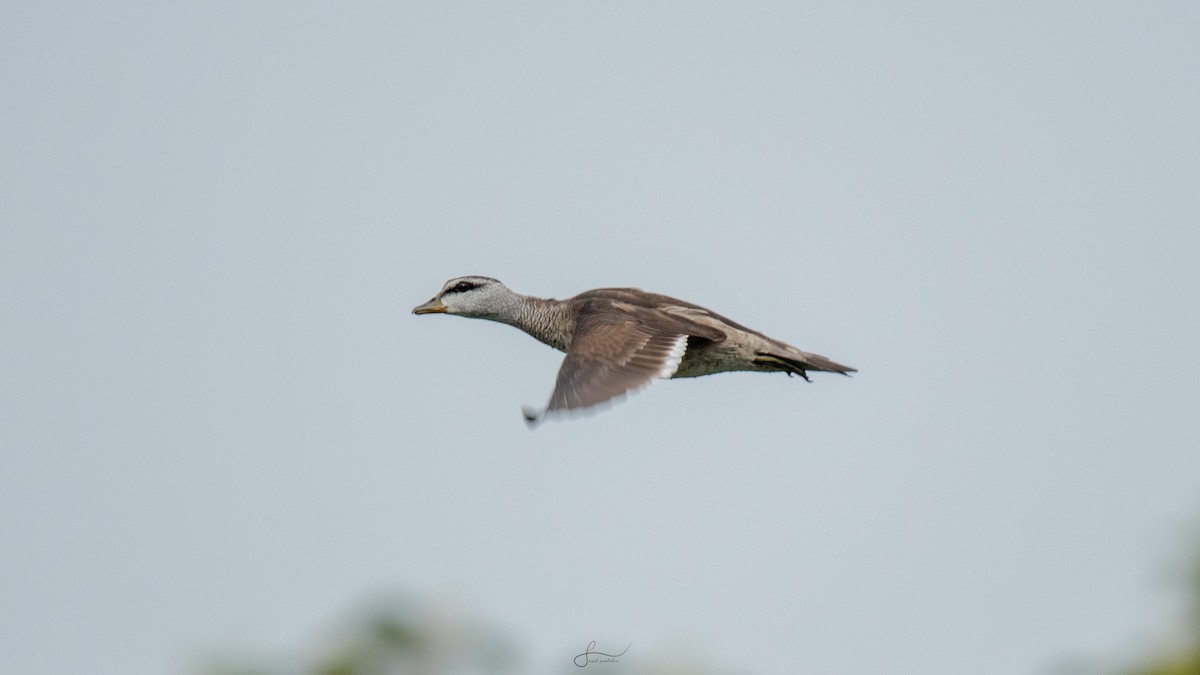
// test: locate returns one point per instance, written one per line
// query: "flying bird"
(618, 340)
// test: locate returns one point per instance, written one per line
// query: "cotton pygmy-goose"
(619, 339)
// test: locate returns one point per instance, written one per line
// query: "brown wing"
(612, 353)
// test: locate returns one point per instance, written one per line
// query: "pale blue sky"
(223, 429)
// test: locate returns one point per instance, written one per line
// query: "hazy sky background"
(222, 429)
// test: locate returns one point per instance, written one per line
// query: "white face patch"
(674, 358)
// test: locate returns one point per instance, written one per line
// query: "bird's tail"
(795, 362)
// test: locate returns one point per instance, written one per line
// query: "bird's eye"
(461, 287)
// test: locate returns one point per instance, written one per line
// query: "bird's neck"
(549, 321)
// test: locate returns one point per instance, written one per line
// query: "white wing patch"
(674, 358)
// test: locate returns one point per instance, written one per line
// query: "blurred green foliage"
(393, 643)
(1180, 664)
(399, 638)
(1186, 659)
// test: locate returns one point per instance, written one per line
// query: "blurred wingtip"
(533, 416)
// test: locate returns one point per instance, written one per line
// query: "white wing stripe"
(674, 358)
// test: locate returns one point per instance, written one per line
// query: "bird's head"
(472, 296)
